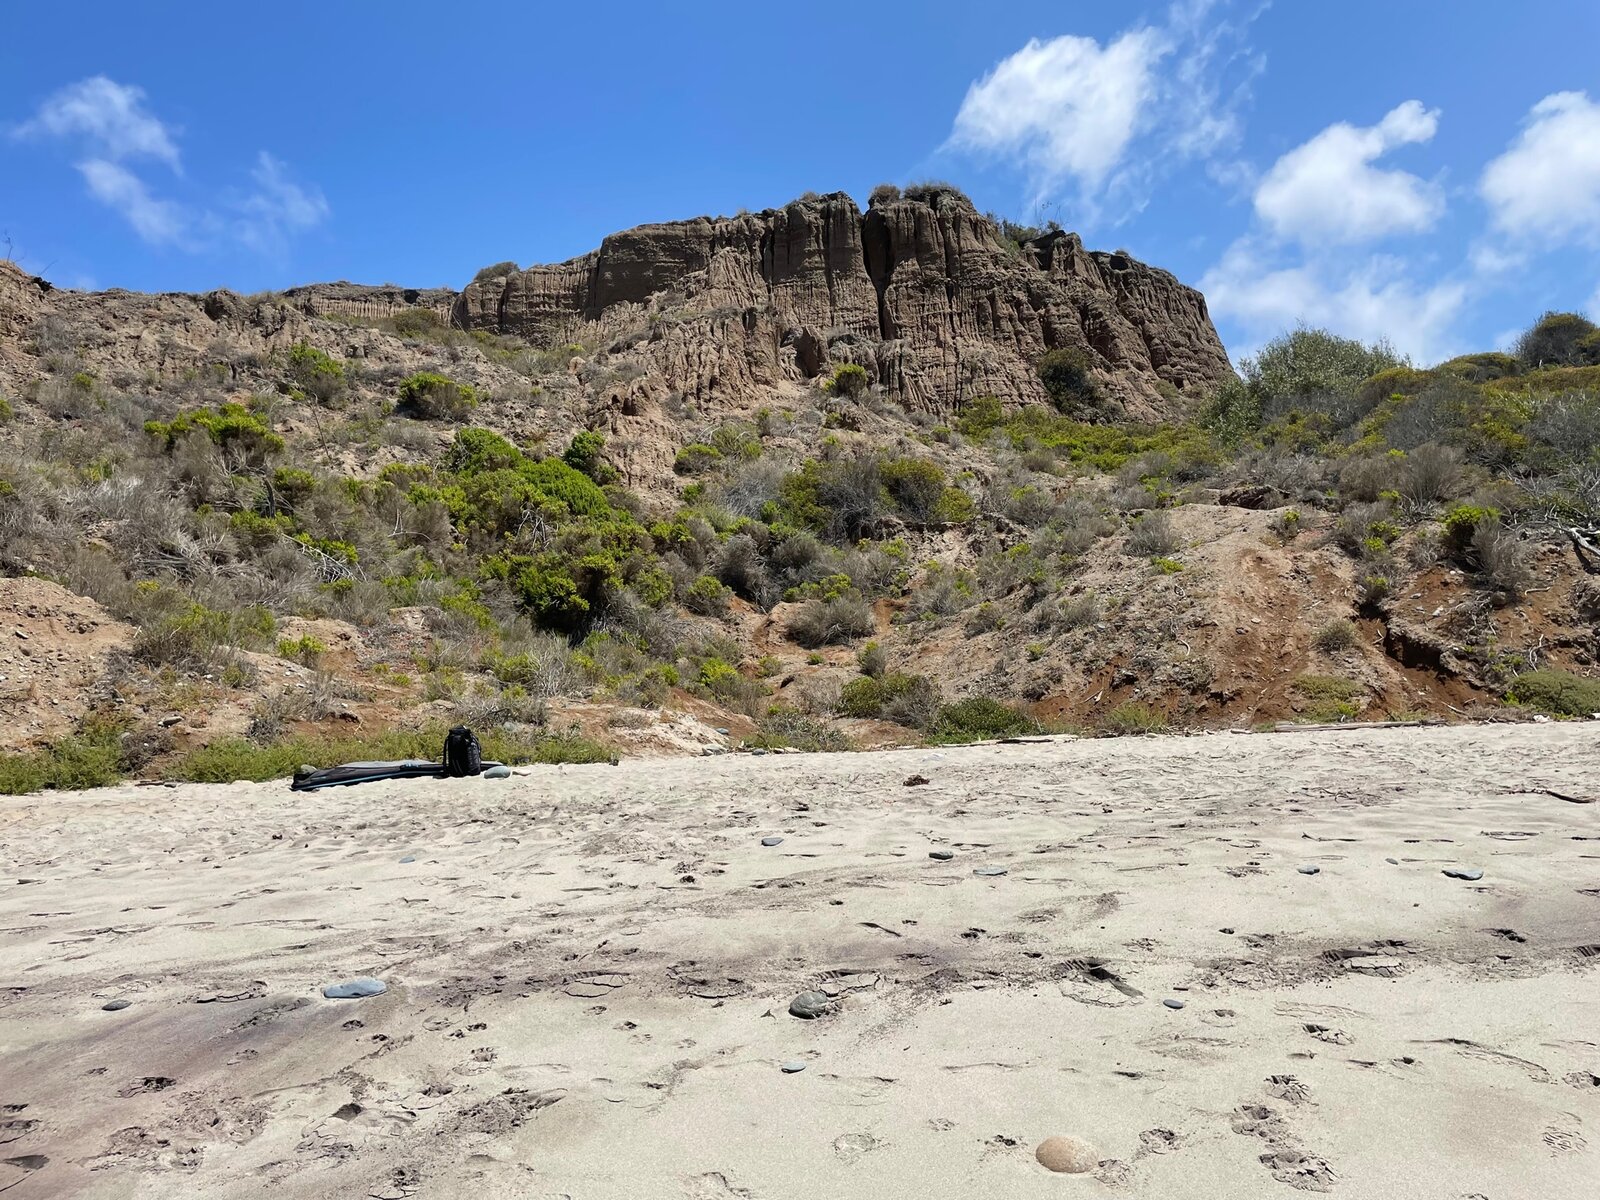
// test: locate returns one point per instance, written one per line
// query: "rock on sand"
(1067, 1155)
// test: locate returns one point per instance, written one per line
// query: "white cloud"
(156, 221)
(1370, 300)
(1067, 107)
(1327, 190)
(1491, 259)
(110, 117)
(277, 207)
(1111, 119)
(1547, 183)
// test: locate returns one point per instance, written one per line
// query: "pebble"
(1173, 1003)
(989, 871)
(771, 841)
(942, 855)
(1393, 862)
(793, 1067)
(808, 1005)
(1308, 869)
(1468, 873)
(1067, 1155)
(410, 858)
(355, 989)
(500, 772)
(115, 1005)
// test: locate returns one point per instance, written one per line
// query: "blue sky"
(1428, 172)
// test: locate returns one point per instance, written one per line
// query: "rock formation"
(921, 290)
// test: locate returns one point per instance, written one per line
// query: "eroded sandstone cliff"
(922, 291)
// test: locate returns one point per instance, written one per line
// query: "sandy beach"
(590, 969)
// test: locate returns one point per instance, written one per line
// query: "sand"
(589, 971)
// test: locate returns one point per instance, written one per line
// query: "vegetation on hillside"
(207, 517)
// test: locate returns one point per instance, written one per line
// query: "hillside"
(812, 476)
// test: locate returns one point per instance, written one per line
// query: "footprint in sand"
(714, 1186)
(1565, 1139)
(14, 1170)
(1323, 1033)
(1158, 1141)
(849, 1147)
(1288, 1088)
(12, 1127)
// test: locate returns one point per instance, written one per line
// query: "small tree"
(1560, 339)
(1066, 379)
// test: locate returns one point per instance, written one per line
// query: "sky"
(1425, 172)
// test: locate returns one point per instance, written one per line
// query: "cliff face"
(923, 292)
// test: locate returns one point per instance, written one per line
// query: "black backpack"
(462, 754)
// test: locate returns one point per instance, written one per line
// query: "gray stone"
(1468, 873)
(793, 1067)
(809, 1005)
(355, 989)
(942, 855)
(500, 772)
(115, 1005)
(1173, 1003)
(1393, 862)
(410, 858)
(1308, 869)
(771, 841)
(989, 871)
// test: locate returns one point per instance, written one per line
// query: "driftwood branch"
(1292, 727)
(1586, 545)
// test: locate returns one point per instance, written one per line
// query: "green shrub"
(496, 270)
(434, 397)
(1071, 388)
(979, 718)
(92, 757)
(1559, 339)
(416, 322)
(192, 635)
(916, 486)
(1462, 521)
(243, 436)
(873, 660)
(306, 650)
(783, 728)
(1166, 566)
(861, 697)
(1327, 687)
(843, 499)
(7, 413)
(848, 379)
(1559, 693)
(1130, 719)
(910, 700)
(955, 507)
(825, 622)
(1336, 636)
(707, 597)
(696, 459)
(317, 373)
(584, 455)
